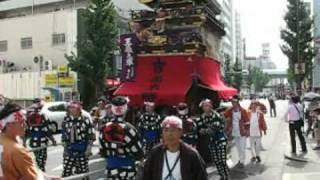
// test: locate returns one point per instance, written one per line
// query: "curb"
(296, 158)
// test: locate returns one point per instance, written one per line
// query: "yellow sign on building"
(66, 81)
(62, 69)
(52, 80)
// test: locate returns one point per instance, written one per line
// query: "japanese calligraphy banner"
(129, 45)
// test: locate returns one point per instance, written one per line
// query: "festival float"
(172, 54)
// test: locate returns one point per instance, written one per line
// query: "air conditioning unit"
(48, 65)
(2, 65)
(10, 67)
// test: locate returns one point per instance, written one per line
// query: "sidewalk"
(308, 170)
(274, 165)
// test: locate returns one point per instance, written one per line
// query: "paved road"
(54, 163)
(273, 167)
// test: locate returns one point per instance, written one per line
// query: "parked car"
(224, 106)
(55, 113)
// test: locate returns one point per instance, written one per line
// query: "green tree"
(237, 78)
(250, 77)
(228, 70)
(95, 47)
(297, 40)
(259, 79)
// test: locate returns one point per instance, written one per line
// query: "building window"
(26, 43)
(3, 46)
(58, 39)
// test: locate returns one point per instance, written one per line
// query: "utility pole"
(32, 7)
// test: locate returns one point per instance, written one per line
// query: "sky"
(261, 22)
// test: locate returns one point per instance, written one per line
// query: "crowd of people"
(311, 112)
(176, 146)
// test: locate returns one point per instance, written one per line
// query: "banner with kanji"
(129, 44)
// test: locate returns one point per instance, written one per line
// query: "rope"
(51, 145)
(43, 147)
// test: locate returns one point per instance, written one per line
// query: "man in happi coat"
(121, 143)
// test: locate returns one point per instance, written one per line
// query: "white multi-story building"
(238, 39)
(227, 19)
(42, 31)
(41, 28)
(263, 61)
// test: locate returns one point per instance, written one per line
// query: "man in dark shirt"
(173, 159)
(272, 105)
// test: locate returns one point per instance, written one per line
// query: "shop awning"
(167, 79)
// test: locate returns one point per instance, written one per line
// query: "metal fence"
(99, 172)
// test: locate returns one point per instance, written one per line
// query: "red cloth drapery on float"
(168, 79)
(210, 75)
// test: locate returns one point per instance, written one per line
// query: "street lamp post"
(38, 60)
(58, 86)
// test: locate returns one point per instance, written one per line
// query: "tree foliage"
(297, 39)
(259, 78)
(93, 61)
(249, 77)
(228, 70)
(237, 78)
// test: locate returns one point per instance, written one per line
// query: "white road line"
(301, 176)
(58, 168)
(96, 160)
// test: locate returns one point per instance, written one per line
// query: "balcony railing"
(17, 4)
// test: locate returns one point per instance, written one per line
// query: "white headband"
(206, 101)
(13, 117)
(149, 103)
(172, 122)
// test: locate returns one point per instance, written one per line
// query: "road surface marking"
(301, 176)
